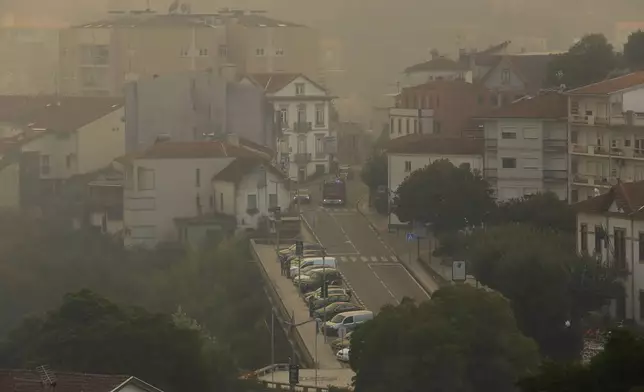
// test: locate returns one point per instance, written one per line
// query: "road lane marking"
(387, 265)
(354, 259)
(364, 258)
(384, 259)
(374, 259)
(344, 233)
(384, 285)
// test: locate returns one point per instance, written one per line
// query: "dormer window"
(299, 88)
(505, 76)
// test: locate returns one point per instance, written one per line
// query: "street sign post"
(459, 273)
(293, 374)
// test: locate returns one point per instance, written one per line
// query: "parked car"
(328, 261)
(309, 296)
(322, 302)
(340, 343)
(303, 196)
(314, 279)
(312, 268)
(346, 322)
(307, 246)
(343, 355)
(328, 312)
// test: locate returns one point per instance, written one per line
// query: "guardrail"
(292, 333)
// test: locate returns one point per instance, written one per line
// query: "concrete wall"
(100, 142)
(10, 187)
(249, 186)
(225, 199)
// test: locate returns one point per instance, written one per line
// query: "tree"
(448, 197)
(374, 172)
(542, 210)
(618, 368)
(634, 50)
(545, 280)
(587, 61)
(91, 334)
(464, 339)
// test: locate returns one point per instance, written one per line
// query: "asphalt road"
(372, 271)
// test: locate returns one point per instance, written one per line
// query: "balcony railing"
(555, 175)
(302, 127)
(615, 152)
(302, 158)
(591, 180)
(588, 120)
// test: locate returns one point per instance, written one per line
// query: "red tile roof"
(55, 113)
(611, 86)
(238, 168)
(437, 64)
(29, 381)
(551, 105)
(435, 144)
(629, 197)
(274, 82)
(193, 150)
(257, 147)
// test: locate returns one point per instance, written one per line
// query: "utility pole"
(272, 343)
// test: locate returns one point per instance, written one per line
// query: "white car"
(343, 355)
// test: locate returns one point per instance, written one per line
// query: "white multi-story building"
(526, 147)
(606, 122)
(302, 107)
(610, 227)
(409, 153)
(184, 190)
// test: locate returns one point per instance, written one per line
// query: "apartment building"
(526, 147)
(97, 58)
(606, 122)
(307, 144)
(413, 152)
(610, 227)
(447, 105)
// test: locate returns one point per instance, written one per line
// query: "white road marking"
(364, 258)
(354, 259)
(374, 259)
(384, 285)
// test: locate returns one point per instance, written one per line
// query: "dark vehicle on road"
(313, 280)
(336, 308)
(334, 192)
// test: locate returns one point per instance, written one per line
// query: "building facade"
(403, 122)
(606, 123)
(526, 147)
(410, 153)
(437, 68)
(302, 109)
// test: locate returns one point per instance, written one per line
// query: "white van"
(309, 261)
(345, 322)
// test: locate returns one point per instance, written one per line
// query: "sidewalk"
(293, 303)
(417, 255)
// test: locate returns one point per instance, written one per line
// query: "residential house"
(23, 380)
(193, 106)
(526, 147)
(437, 68)
(606, 121)
(168, 189)
(413, 152)
(610, 227)
(307, 143)
(99, 57)
(447, 105)
(62, 136)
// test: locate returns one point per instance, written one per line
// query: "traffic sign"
(293, 374)
(411, 237)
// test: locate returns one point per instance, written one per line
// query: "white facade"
(403, 122)
(606, 140)
(526, 156)
(589, 237)
(400, 166)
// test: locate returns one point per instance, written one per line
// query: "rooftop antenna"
(47, 377)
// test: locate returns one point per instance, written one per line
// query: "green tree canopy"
(545, 280)
(634, 50)
(91, 334)
(542, 210)
(618, 368)
(464, 339)
(448, 197)
(374, 171)
(587, 61)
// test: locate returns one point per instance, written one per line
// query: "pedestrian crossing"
(366, 259)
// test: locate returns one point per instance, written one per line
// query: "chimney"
(232, 139)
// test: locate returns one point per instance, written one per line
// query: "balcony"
(555, 175)
(302, 158)
(302, 127)
(591, 180)
(490, 173)
(589, 119)
(604, 151)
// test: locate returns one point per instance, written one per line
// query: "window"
(415, 125)
(391, 126)
(44, 164)
(251, 202)
(574, 107)
(301, 113)
(508, 135)
(259, 51)
(574, 195)
(509, 163)
(641, 247)
(573, 137)
(279, 52)
(583, 241)
(320, 115)
(407, 166)
(221, 202)
(505, 76)
(620, 247)
(198, 177)
(145, 178)
(272, 200)
(530, 133)
(627, 142)
(299, 88)
(407, 126)
(399, 125)
(283, 116)
(203, 52)
(531, 163)
(223, 51)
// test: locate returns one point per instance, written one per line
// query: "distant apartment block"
(606, 121)
(526, 147)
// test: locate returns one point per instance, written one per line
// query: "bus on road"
(334, 192)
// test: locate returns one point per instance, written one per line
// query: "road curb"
(436, 276)
(346, 282)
